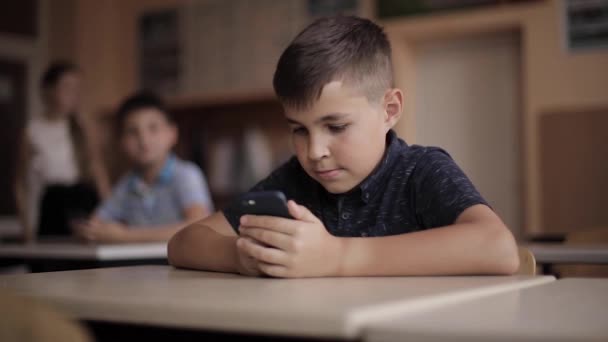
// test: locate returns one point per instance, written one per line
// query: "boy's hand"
(299, 247)
(98, 231)
(247, 264)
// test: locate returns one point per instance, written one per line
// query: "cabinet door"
(12, 117)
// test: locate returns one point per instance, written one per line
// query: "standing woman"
(59, 174)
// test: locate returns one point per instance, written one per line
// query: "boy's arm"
(101, 230)
(209, 244)
(477, 243)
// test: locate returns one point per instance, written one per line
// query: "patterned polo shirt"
(413, 188)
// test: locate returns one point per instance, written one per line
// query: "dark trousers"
(60, 204)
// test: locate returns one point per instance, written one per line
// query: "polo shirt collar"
(137, 184)
(373, 183)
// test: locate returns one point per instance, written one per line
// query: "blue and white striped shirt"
(180, 185)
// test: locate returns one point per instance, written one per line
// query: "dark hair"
(137, 101)
(55, 71)
(51, 76)
(345, 48)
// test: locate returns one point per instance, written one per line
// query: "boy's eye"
(298, 130)
(337, 128)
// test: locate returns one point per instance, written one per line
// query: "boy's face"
(341, 138)
(148, 137)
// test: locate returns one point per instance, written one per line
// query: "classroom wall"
(468, 104)
(97, 35)
(552, 79)
(102, 37)
(33, 52)
(556, 81)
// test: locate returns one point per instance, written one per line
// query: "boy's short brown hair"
(345, 48)
(137, 101)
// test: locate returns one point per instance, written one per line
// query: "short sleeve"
(442, 190)
(112, 209)
(192, 188)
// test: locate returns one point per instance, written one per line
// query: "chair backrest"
(527, 262)
(27, 319)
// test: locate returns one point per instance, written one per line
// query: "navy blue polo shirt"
(413, 188)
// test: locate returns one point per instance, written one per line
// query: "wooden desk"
(56, 256)
(569, 254)
(162, 296)
(564, 310)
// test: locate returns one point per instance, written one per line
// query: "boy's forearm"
(152, 234)
(155, 233)
(457, 249)
(200, 247)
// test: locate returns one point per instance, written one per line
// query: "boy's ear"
(393, 105)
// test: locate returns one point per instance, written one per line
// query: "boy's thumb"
(300, 212)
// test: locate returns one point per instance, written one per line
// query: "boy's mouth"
(328, 174)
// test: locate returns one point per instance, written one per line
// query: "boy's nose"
(317, 149)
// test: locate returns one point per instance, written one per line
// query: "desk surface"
(564, 310)
(83, 251)
(321, 307)
(560, 253)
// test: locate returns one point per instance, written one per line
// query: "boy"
(162, 193)
(363, 202)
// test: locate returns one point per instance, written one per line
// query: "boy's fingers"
(243, 244)
(269, 237)
(81, 230)
(263, 254)
(272, 270)
(300, 212)
(277, 224)
(87, 235)
(81, 224)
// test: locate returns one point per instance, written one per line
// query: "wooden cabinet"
(214, 129)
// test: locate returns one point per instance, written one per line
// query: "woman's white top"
(53, 159)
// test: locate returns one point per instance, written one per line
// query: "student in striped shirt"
(161, 194)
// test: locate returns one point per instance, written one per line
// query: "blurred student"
(59, 173)
(161, 194)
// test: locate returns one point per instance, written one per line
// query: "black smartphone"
(266, 203)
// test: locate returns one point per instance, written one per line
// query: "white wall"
(468, 102)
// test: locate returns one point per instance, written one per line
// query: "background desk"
(569, 254)
(162, 296)
(564, 310)
(56, 256)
